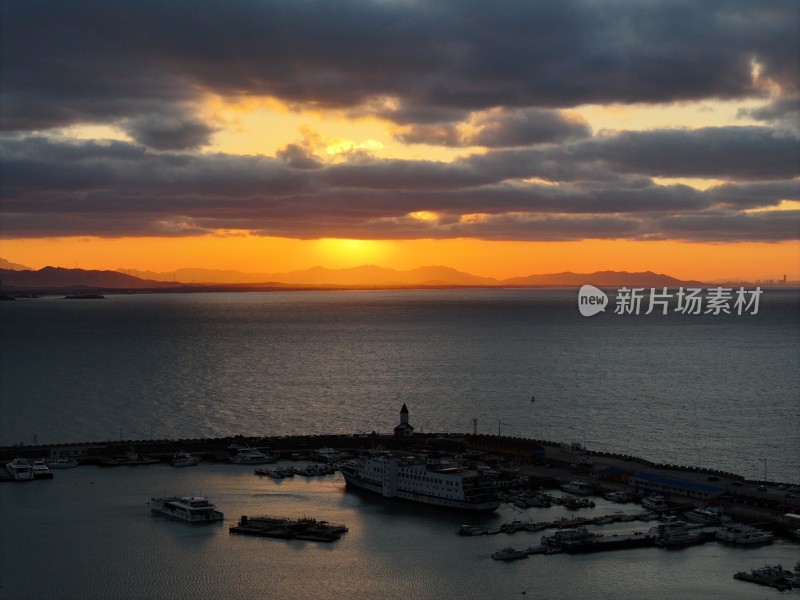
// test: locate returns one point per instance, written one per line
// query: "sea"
(716, 390)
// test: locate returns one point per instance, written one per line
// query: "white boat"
(578, 487)
(509, 554)
(20, 469)
(192, 509)
(676, 533)
(743, 534)
(620, 497)
(421, 478)
(41, 470)
(710, 515)
(184, 459)
(251, 456)
(61, 463)
(655, 503)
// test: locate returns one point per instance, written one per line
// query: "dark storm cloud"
(500, 129)
(118, 188)
(754, 195)
(82, 61)
(731, 227)
(168, 132)
(455, 73)
(737, 152)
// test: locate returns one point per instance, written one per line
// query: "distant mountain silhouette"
(367, 276)
(363, 275)
(600, 279)
(5, 264)
(58, 278)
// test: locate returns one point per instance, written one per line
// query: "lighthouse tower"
(404, 429)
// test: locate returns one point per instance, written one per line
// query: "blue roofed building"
(666, 486)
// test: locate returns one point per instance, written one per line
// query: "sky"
(503, 139)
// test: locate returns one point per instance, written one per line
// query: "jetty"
(289, 529)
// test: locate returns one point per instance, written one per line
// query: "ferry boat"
(192, 509)
(428, 479)
(251, 456)
(743, 534)
(20, 469)
(578, 487)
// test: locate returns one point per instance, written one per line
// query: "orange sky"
(246, 253)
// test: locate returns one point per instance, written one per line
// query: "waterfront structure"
(426, 479)
(521, 449)
(651, 482)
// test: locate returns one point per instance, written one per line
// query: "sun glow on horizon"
(498, 259)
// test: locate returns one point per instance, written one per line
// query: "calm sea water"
(720, 390)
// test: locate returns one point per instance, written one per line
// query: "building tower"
(404, 429)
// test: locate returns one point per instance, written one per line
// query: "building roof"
(403, 426)
(678, 483)
(613, 470)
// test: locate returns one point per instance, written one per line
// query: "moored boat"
(737, 533)
(184, 459)
(620, 497)
(252, 456)
(428, 479)
(20, 469)
(61, 463)
(41, 470)
(678, 533)
(710, 515)
(655, 503)
(578, 487)
(509, 554)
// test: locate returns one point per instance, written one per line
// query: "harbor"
(386, 540)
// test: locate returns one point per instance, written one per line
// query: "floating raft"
(289, 529)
